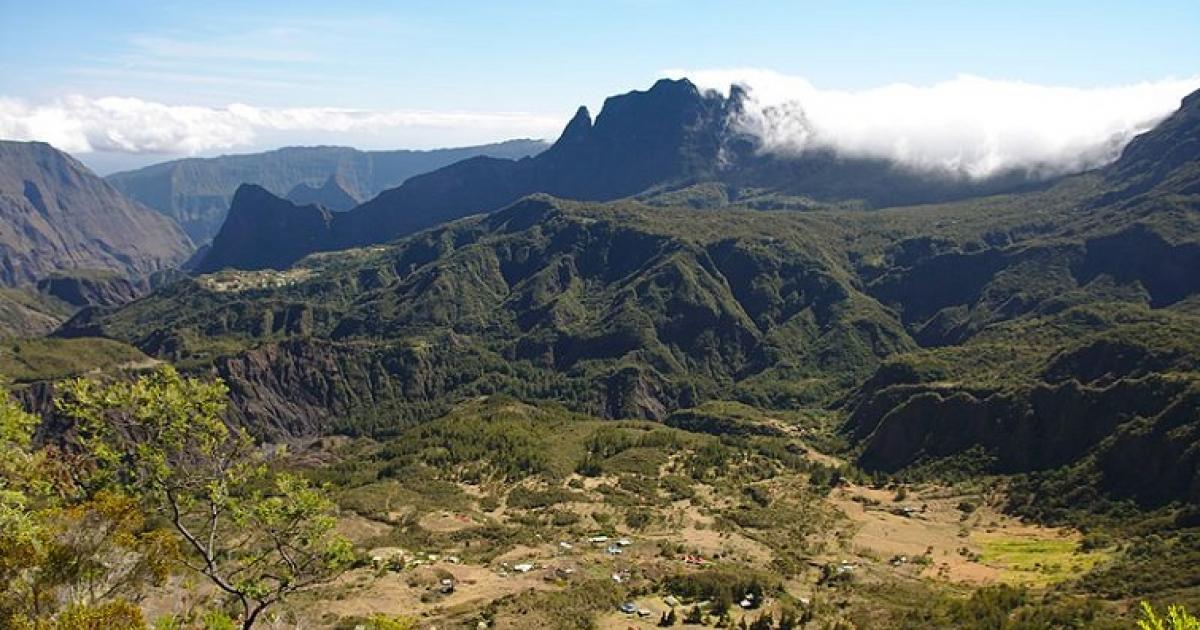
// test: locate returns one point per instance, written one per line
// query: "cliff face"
(264, 228)
(56, 215)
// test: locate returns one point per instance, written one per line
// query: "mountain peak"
(680, 85)
(578, 129)
(263, 230)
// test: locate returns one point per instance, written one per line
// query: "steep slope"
(333, 194)
(1072, 355)
(56, 215)
(620, 310)
(197, 192)
(24, 313)
(668, 136)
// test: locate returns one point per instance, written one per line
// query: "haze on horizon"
(974, 90)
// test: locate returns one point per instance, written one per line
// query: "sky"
(123, 83)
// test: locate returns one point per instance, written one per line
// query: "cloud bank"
(968, 125)
(78, 124)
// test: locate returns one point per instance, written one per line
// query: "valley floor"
(643, 536)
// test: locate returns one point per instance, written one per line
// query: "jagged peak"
(578, 128)
(670, 85)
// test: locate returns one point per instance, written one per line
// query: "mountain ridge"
(669, 135)
(196, 192)
(58, 216)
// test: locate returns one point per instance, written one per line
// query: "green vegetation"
(1178, 618)
(49, 359)
(24, 312)
(1038, 562)
(503, 390)
(258, 537)
(72, 555)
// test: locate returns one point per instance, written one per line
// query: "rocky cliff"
(56, 215)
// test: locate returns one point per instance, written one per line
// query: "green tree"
(258, 536)
(67, 557)
(1178, 618)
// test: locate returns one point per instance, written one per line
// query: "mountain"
(56, 215)
(621, 309)
(1071, 359)
(670, 136)
(333, 194)
(197, 192)
(1049, 335)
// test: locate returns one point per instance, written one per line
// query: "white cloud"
(79, 124)
(968, 125)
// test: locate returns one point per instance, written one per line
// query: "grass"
(1037, 561)
(27, 360)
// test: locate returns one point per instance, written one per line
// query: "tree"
(67, 556)
(257, 535)
(1178, 618)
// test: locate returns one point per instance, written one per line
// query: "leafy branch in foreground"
(1178, 618)
(258, 536)
(67, 554)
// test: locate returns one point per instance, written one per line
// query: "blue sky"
(537, 61)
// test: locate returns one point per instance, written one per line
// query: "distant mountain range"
(670, 136)
(56, 216)
(196, 192)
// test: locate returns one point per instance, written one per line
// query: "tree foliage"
(1178, 618)
(257, 535)
(69, 557)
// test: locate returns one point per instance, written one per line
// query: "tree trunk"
(251, 616)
